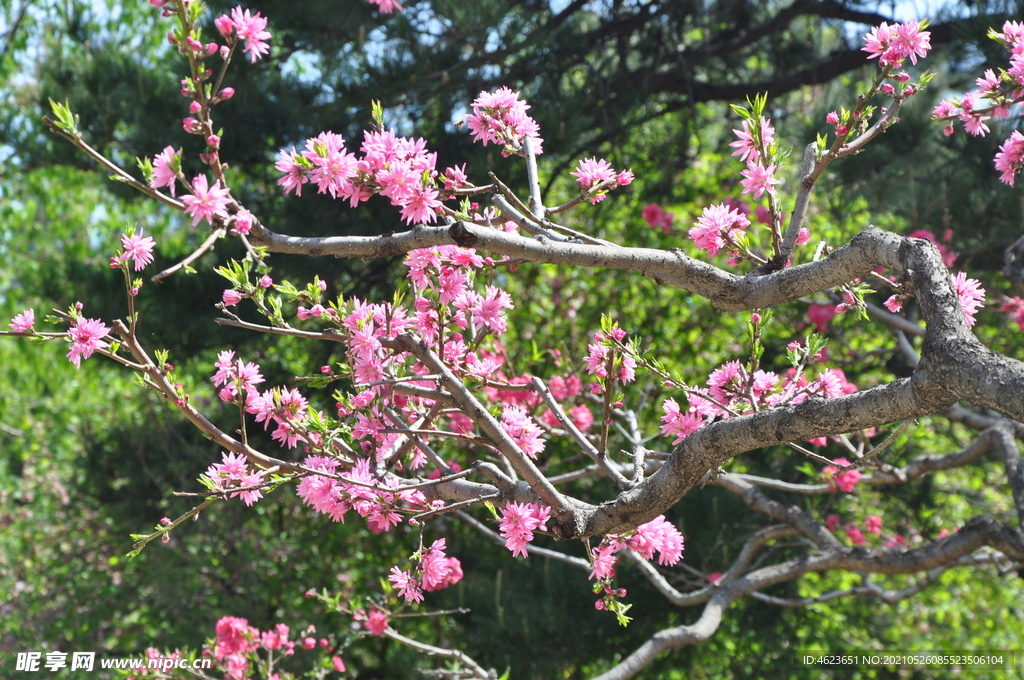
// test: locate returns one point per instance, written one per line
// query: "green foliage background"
(87, 458)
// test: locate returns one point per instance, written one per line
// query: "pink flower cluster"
(732, 386)
(718, 228)
(657, 217)
(287, 408)
(236, 639)
(233, 472)
(243, 25)
(377, 500)
(1013, 307)
(435, 571)
(1010, 158)
(657, 536)
(500, 118)
(23, 323)
(518, 425)
(591, 172)
(892, 44)
(603, 361)
(86, 337)
(843, 481)
(399, 168)
(970, 295)
(519, 521)
(996, 94)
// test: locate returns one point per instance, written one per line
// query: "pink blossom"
(892, 44)
(581, 417)
(518, 425)
(333, 166)
(518, 522)
(759, 179)
(86, 337)
(970, 294)
(657, 217)
(295, 171)
(252, 29)
(376, 622)
(832, 118)
(387, 6)
(234, 636)
(591, 171)
(206, 202)
(832, 523)
(597, 359)
(138, 249)
(421, 205)
(407, 586)
(22, 323)
(873, 524)
(455, 177)
(661, 536)
(715, 225)
(1010, 157)
(164, 169)
(243, 222)
(820, 315)
(855, 535)
(894, 304)
(488, 309)
(746, 144)
(500, 117)
(714, 577)
(603, 559)
(844, 481)
(674, 422)
(1013, 307)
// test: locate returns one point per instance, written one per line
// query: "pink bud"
(224, 51)
(224, 25)
(308, 643)
(171, 39)
(194, 44)
(194, 107)
(266, 282)
(210, 49)
(213, 140)
(166, 538)
(226, 93)
(165, 520)
(231, 297)
(322, 285)
(755, 317)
